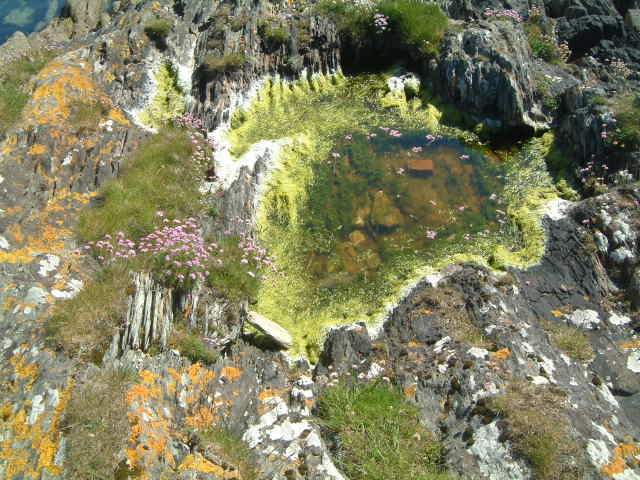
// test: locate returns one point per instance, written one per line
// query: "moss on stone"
(168, 101)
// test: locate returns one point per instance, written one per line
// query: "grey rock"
(274, 331)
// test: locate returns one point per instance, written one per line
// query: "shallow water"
(390, 192)
(26, 15)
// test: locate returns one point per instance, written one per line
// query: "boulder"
(271, 329)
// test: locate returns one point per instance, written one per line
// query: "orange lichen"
(414, 345)
(148, 377)
(269, 393)
(117, 116)
(203, 418)
(37, 149)
(230, 373)
(558, 313)
(618, 464)
(35, 446)
(631, 345)
(501, 354)
(411, 390)
(26, 374)
(200, 464)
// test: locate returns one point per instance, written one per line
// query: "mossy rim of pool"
(372, 192)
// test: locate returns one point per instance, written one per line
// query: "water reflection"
(26, 15)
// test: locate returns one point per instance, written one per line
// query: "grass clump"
(413, 25)
(190, 345)
(234, 453)
(14, 80)
(213, 64)
(274, 35)
(96, 426)
(571, 340)
(83, 325)
(626, 134)
(230, 277)
(421, 25)
(160, 176)
(86, 115)
(538, 430)
(157, 29)
(379, 434)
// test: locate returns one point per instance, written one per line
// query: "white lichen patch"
(633, 361)
(479, 353)
(48, 264)
(4, 243)
(494, 457)
(586, 319)
(557, 209)
(616, 319)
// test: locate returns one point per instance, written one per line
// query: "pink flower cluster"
(255, 256)
(189, 121)
(391, 131)
(380, 22)
(509, 14)
(179, 252)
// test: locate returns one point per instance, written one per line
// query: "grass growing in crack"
(539, 431)
(14, 79)
(191, 346)
(379, 434)
(85, 116)
(221, 443)
(83, 325)
(96, 425)
(160, 176)
(213, 64)
(571, 340)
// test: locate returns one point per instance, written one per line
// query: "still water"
(26, 15)
(389, 191)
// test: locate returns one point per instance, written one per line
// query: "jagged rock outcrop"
(487, 70)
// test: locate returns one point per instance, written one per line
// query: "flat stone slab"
(271, 329)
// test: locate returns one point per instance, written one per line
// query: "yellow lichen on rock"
(200, 464)
(21, 439)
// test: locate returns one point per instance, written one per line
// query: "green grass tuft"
(221, 443)
(380, 436)
(213, 64)
(95, 425)
(160, 176)
(157, 29)
(191, 346)
(571, 340)
(83, 325)
(14, 80)
(542, 439)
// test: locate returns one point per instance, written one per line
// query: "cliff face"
(550, 352)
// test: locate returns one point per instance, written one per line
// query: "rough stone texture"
(271, 329)
(487, 70)
(50, 170)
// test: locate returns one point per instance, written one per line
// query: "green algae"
(168, 101)
(307, 212)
